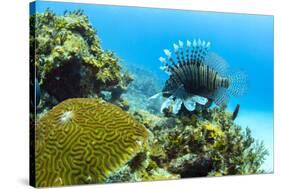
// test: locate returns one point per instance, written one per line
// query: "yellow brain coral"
(84, 141)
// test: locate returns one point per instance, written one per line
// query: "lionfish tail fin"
(193, 52)
(238, 83)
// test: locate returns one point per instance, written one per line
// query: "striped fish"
(197, 76)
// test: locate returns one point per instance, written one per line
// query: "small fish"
(197, 76)
(236, 111)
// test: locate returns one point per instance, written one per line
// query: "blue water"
(139, 35)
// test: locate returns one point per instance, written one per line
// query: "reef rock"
(69, 60)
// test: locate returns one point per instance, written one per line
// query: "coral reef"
(85, 141)
(204, 143)
(69, 59)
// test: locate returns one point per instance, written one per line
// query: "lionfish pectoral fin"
(155, 96)
(166, 103)
(221, 97)
(200, 100)
(189, 104)
(177, 105)
(238, 83)
(217, 63)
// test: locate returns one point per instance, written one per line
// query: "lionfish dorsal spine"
(186, 72)
(180, 76)
(173, 67)
(176, 49)
(192, 51)
(172, 62)
(201, 79)
(196, 54)
(188, 46)
(186, 66)
(181, 52)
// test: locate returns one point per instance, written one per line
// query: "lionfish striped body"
(197, 77)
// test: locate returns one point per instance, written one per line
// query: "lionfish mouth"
(197, 76)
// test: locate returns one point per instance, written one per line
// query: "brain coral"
(83, 141)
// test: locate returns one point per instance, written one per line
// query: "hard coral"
(84, 141)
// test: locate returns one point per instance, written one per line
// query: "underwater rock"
(127, 175)
(122, 87)
(142, 168)
(159, 174)
(124, 174)
(147, 119)
(85, 141)
(69, 59)
(191, 165)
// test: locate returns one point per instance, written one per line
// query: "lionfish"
(197, 76)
